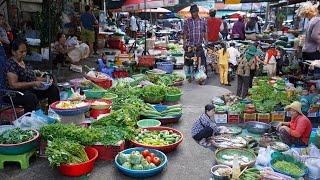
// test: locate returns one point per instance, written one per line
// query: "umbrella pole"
(145, 28)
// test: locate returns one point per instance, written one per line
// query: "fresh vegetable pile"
(149, 111)
(173, 91)
(157, 138)
(111, 135)
(16, 136)
(250, 174)
(139, 161)
(62, 151)
(153, 91)
(289, 168)
(82, 135)
(70, 104)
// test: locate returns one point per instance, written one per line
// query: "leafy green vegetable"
(82, 135)
(62, 151)
(16, 135)
(111, 135)
(288, 167)
(154, 91)
(173, 91)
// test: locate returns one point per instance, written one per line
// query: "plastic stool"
(143, 70)
(23, 159)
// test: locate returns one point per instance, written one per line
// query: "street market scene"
(160, 89)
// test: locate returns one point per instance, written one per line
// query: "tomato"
(145, 153)
(149, 159)
(156, 161)
(152, 155)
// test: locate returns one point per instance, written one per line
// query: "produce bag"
(313, 165)
(201, 75)
(34, 119)
(264, 156)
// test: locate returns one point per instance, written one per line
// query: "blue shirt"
(201, 123)
(88, 20)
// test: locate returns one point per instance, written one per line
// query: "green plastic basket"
(94, 94)
(173, 98)
(153, 100)
(144, 123)
(110, 96)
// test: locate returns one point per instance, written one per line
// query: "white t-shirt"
(133, 24)
(234, 54)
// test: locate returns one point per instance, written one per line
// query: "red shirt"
(301, 127)
(213, 25)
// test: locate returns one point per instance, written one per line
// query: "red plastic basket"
(165, 148)
(109, 152)
(146, 61)
(82, 168)
(233, 119)
(120, 74)
(104, 83)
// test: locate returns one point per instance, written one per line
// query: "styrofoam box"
(221, 118)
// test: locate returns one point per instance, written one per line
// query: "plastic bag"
(264, 156)
(73, 41)
(85, 50)
(201, 75)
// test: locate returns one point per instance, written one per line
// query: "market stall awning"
(185, 12)
(156, 10)
(236, 15)
(134, 5)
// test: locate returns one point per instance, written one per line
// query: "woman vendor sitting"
(21, 77)
(298, 130)
(204, 127)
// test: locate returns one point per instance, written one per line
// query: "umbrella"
(236, 15)
(185, 12)
(133, 5)
(157, 10)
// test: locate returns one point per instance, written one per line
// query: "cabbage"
(126, 165)
(122, 158)
(145, 164)
(137, 167)
(135, 157)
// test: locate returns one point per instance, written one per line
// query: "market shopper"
(205, 127)
(88, 21)
(195, 34)
(21, 77)
(311, 48)
(234, 55)
(60, 49)
(297, 131)
(252, 29)
(223, 61)
(238, 30)
(4, 39)
(270, 61)
(214, 27)
(133, 26)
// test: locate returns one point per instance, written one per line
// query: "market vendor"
(21, 77)
(205, 127)
(298, 130)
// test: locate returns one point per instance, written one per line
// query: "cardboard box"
(263, 117)
(249, 117)
(278, 116)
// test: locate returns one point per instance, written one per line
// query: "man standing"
(133, 26)
(88, 21)
(195, 34)
(215, 26)
(238, 30)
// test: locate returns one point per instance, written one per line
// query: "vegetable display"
(62, 151)
(70, 104)
(250, 174)
(153, 91)
(173, 91)
(288, 167)
(111, 135)
(149, 111)
(82, 135)
(139, 160)
(157, 138)
(16, 136)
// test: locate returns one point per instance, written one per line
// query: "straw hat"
(295, 106)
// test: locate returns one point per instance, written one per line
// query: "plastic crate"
(278, 116)
(120, 74)
(221, 118)
(109, 152)
(249, 117)
(104, 84)
(165, 66)
(263, 117)
(233, 118)
(146, 61)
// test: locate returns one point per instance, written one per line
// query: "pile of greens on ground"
(82, 135)
(16, 136)
(173, 91)
(266, 97)
(62, 151)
